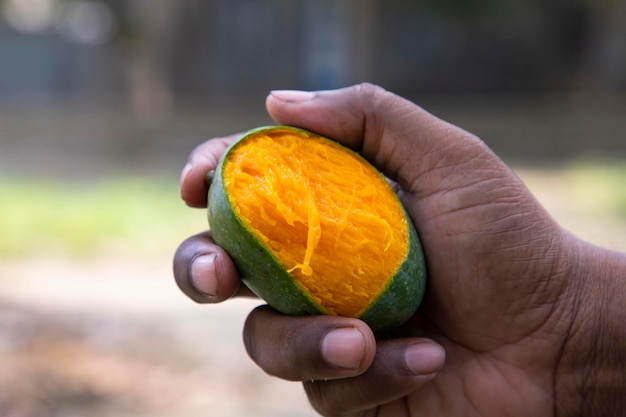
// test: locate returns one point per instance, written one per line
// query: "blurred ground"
(88, 338)
(109, 334)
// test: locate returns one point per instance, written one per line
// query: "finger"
(308, 348)
(204, 158)
(400, 367)
(397, 136)
(205, 272)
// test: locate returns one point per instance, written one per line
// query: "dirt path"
(101, 337)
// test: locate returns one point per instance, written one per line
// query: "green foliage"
(600, 186)
(146, 215)
(78, 218)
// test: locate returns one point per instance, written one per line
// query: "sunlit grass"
(145, 215)
(78, 218)
(599, 186)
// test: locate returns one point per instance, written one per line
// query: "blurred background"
(102, 101)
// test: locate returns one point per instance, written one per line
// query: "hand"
(502, 305)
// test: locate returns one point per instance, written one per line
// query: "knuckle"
(369, 88)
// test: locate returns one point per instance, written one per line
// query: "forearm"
(591, 376)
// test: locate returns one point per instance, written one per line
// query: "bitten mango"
(313, 228)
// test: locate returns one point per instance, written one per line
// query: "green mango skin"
(268, 278)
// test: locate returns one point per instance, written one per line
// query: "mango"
(313, 228)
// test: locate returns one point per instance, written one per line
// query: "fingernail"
(186, 170)
(424, 358)
(292, 96)
(203, 275)
(343, 348)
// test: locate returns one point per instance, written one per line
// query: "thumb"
(400, 138)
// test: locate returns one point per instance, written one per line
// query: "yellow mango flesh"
(328, 217)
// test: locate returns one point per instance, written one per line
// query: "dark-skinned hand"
(520, 317)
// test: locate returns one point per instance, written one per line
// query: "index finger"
(204, 158)
(205, 272)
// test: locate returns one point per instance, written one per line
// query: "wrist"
(591, 373)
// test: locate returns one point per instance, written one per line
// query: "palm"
(483, 384)
(499, 331)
